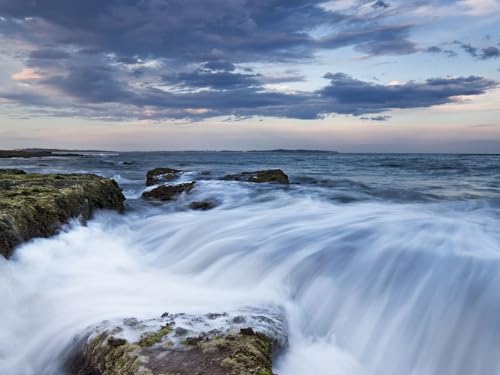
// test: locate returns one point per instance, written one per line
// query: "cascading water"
(371, 286)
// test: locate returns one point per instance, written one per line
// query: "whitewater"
(381, 264)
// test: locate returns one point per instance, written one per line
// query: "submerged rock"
(158, 175)
(168, 192)
(269, 176)
(202, 205)
(182, 345)
(36, 205)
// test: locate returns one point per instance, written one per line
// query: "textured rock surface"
(212, 344)
(36, 205)
(168, 192)
(158, 175)
(269, 176)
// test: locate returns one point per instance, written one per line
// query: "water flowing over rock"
(168, 192)
(158, 175)
(270, 176)
(36, 205)
(202, 205)
(181, 344)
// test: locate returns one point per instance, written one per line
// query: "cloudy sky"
(351, 75)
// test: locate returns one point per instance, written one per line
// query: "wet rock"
(266, 176)
(37, 205)
(180, 344)
(168, 192)
(158, 175)
(202, 205)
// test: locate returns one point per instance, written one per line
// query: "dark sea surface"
(382, 264)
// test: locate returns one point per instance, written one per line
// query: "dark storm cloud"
(218, 80)
(380, 4)
(194, 30)
(190, 58)
(388, 40)
(436, 49)
(343, 95)
(358, 97)
(485, 53)
(48, 54)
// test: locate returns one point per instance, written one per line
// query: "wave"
(367, 287)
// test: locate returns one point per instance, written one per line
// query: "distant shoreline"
(40, 152)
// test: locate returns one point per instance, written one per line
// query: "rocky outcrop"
(213, 344)
(168, 192)
(159, 175)
(266, 176)
(202, 205)
(36, 205)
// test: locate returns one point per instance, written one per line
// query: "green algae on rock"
(173, 345)
(168, 192)
(36, 205)
(265, 176)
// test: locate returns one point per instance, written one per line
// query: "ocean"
(382, 264)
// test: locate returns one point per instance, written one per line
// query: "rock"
(202, 205)
(270, 176)
(177, 345)
(36, 205)
(168, 192)
(157, 175)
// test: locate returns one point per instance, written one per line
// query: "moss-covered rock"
(266, 176)
(173, 345)
(157, 175)
(168, 192)
(36, 205)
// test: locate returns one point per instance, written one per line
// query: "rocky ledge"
(266, 176)
(182, 344)
(36, 205)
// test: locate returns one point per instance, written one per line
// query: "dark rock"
(270, 176)
(115, 343)
(37, 205)
(220, 350)
(247, 331)
(239, 319)
(202, 205)
(168, 192)
(179, 331)
(158, 175)
(12, 171)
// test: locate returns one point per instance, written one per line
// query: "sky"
(346, 75)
